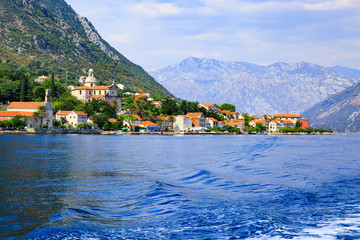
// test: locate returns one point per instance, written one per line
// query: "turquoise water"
(179, 187)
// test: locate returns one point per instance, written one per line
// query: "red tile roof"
(146, 123)
(101, 88)
(259, 121)
(112, 120)
(25, 105)
(4, 119)
(287, 115)
(97, 96)
(83, 88)
(164, 118)
(206, 104)
(212, 119)
(15, 113)
(64, 113)
(137, 117)
(194, 115)
(288, 122)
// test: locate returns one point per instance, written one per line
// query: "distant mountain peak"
(277, 88)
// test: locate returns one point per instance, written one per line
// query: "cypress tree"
(23, 87)
(52, 85)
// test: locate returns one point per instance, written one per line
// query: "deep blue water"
(179, 187)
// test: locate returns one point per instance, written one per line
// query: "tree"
(41, 113)
(24, 85)
(171, 120)
(247, 119)
(128, 119)
(18, 122)
(99, 119)
(169, 107)
(52, 85)
(298, 124)
(228, 106)
(36, 116)
(63, 120)
(39, 93)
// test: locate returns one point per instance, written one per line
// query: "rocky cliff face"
(52, 33)
(341, 111)
(255, 89)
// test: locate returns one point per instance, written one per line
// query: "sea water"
(179, 187)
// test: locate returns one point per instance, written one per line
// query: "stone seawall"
(65, 131)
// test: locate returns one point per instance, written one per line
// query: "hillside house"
(90, 90)
(290, 117)
(72, 117)
(182, 123)
(212, 122)
(27, 110)
(198, 119)
(147, 126)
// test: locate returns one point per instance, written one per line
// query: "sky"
(158, 33)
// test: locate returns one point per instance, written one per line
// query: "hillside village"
(121, 110)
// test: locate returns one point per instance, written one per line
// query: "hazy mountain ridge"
(51, 32)
(341, 111)
(255, 89)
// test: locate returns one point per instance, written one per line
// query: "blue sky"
(158, 33)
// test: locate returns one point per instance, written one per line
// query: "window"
(80, 92)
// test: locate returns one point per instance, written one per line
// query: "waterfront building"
(182, 123)
(72, 117)
(148, 126)
(27, 109)
(198, 119)
(90, 90)
(212, 122)
(253, 123)
(290, 117)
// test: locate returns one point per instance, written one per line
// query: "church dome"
(90, 78)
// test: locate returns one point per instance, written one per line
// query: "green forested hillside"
(49, 33)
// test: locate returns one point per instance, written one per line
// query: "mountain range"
(340, 112)
(255, 89)
(51, 34)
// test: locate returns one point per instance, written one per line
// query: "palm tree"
(41, 113)
(36, 116)
(171, 120)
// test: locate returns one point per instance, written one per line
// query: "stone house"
(72, 117)
(182, 123)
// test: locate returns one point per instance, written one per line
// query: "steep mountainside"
(341, 111)
(277, 88)
(50, 31)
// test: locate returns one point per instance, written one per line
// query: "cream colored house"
(198, 119)
(90, 90)
(182, 123)
(27, 110)
(290, 117)
(212, 122)
(253, 123)
(72, 117)
(277, 124)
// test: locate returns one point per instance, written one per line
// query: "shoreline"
(99, 132)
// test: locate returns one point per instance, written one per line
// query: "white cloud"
(156, 33)
(332, 5)
(121, 38)
(153, 9)
(206, 37)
